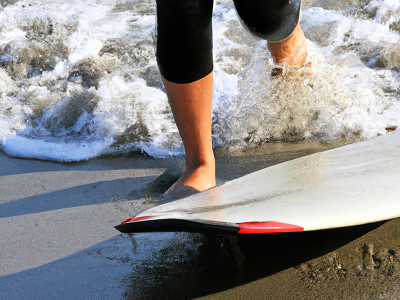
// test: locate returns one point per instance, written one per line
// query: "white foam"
(102, 92)
(124, 105)
(63, 152)
(387, 11)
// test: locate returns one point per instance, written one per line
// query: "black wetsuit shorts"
(184, 32)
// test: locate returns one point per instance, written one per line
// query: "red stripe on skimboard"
(135, 219)
(267, 227)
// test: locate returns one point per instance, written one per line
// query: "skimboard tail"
(146, 224)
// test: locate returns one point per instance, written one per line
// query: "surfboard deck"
(347, 186)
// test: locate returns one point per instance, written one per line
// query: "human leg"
(184, 56)
(191, 105)
(277, 21)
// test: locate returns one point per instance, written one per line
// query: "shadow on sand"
(207, 264)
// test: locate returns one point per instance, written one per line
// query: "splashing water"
(79, 79)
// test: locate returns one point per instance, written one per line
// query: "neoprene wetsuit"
(184, 32)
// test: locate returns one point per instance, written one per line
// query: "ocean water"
(78, 79)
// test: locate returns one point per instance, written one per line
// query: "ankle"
(205, 160)
(201, 177)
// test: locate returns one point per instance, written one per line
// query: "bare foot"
(292, 51)
(201, 177)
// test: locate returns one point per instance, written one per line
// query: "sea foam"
(79, 79)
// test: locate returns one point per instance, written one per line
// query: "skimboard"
(350, 185)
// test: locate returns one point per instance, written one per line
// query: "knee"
(272, 20)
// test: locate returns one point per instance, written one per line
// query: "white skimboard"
(350, 185)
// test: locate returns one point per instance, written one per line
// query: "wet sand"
(58, 240)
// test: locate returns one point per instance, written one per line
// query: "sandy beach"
(58, 239)
(79, 80)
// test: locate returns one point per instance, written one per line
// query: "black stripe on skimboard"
(147, 224)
